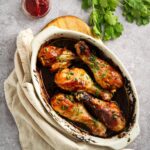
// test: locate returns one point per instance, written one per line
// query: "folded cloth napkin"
(37, 129)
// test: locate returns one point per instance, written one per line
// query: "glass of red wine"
(36, 8)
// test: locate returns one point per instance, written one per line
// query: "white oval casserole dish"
(114, 142)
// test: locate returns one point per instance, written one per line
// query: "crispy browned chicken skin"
(66, 107)
(107, 112)
(105, 75)
(55, 58)
(75, 79)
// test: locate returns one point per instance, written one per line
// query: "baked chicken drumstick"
(76, 79)
(107, 112)
(74, 111)
(105, 75)
(55, 58)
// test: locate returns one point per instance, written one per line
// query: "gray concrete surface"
(133, 48)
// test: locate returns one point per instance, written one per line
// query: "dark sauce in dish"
(121, 96)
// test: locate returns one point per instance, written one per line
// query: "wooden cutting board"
(70, 23)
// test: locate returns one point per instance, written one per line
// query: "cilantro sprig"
(137, 10)
(102, 19)
(106, 25)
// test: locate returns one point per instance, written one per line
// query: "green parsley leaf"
(46, 49)
(110, 18)
(63, 107)
(69, 97)
(104, 3)
(109, 33)
(118, 28)
(97, 93)
(95, 2)
(86, 4)
(96, 31)
(113, 4)
(95, 17)
(112, 32)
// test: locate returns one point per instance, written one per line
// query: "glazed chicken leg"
(74, 111)
(55, 58)
(105, 75)
(76, 79)
(107, 112)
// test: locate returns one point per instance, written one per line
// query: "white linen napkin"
(37, 130)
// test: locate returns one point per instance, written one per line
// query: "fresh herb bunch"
(106, 25)
(102, 19)
(137, 10)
